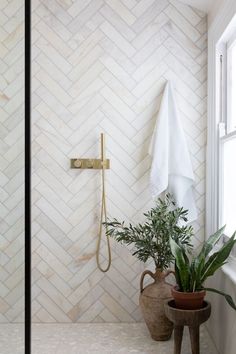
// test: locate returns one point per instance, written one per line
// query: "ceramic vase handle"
(142, 278)
(168, 272)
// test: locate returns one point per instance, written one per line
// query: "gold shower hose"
(103, 214)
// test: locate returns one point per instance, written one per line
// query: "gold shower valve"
(77, 163)
(97, 164)
(89, 163)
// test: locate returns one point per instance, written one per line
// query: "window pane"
(233, 90)
(229, 186)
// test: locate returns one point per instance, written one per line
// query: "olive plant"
(151, 238)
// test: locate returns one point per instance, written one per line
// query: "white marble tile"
(97, 65)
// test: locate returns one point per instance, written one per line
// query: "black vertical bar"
(27, 177)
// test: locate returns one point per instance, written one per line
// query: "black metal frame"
(27, 177)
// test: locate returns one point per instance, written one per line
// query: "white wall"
(222, 323)
(214, 10)
(203, 5)
(12, 161)
(101, 65)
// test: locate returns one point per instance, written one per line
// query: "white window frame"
(225, 132)
(219, 34)
(230, 44)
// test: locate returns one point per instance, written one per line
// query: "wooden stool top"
(187, 317)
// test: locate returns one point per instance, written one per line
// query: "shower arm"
(102, 149)
(90, 163)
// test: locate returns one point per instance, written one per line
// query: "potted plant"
(191, 272)
(151, 241)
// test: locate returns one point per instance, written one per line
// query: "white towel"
(171, 170)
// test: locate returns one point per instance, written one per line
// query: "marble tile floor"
(96, 338)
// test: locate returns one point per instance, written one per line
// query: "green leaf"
(198, 267)
(194, 276)
(210, 243)
(177, 277)
(217, 260)
(180, 259)
(227, 297)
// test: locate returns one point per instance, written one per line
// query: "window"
(221, 134)
(229, 185)
(231, 85)
(227, 140)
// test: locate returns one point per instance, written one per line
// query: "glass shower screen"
(12, 228)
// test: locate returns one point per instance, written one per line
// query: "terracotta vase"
(188, 301)
(151, 301)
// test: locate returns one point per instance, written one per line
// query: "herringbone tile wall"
(101, 65)
(11, 160)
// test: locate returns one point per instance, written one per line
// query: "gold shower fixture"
(99, 164)
(94, 164)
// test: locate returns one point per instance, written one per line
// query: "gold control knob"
(77, 163)
(89, 164)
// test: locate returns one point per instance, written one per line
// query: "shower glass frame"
(27, 176)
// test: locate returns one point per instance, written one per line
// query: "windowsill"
(229, 269)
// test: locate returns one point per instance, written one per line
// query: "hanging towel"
(171, 170)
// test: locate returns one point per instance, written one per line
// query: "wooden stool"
(191, 318)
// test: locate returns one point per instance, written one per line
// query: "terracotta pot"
(151, 301)
(188, 301)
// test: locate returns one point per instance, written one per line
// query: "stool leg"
(194, 337)
(178, 336)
